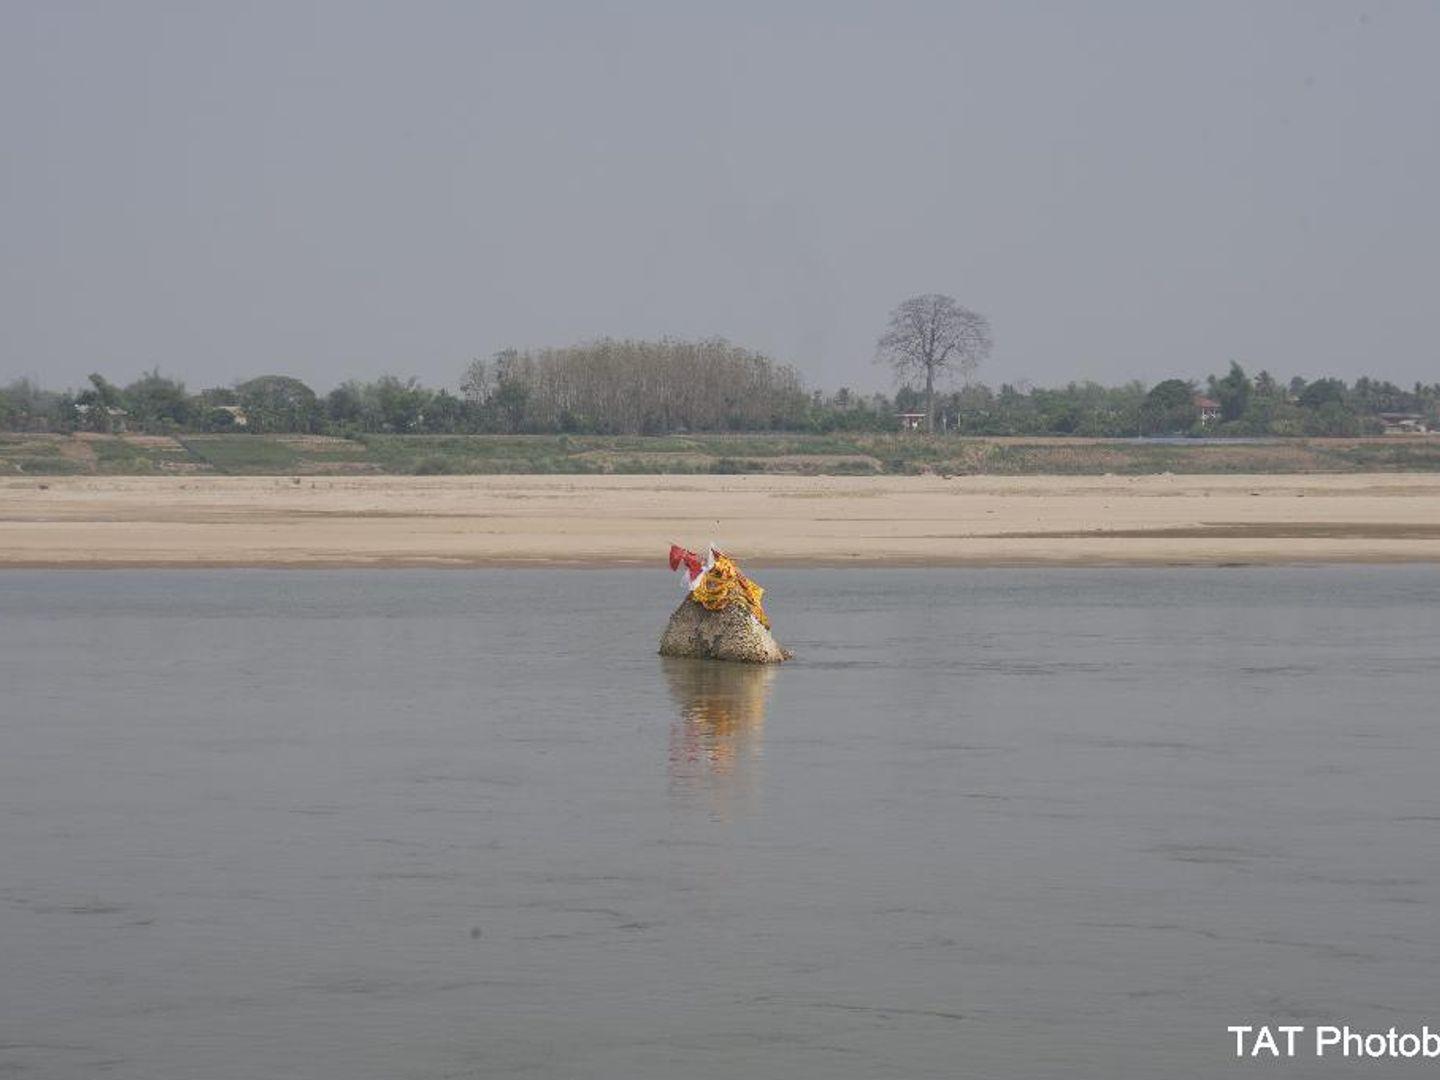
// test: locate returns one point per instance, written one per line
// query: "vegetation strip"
(856, 454)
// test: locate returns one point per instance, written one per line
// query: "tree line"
(1229, 405)
(667, 387)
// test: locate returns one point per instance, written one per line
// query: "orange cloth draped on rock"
(724, 584)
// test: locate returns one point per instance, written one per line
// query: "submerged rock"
(731, 633)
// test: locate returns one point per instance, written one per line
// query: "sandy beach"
(766, 520)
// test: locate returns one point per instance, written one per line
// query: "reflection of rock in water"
(716, 740)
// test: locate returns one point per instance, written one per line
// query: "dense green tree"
(1169, 408)
(399, 403)
(974, 410)
(1232, 392)
(345, 406)
(1058, 411)
(512, 401)
(1322, 392)
(1170, 394)
(155, 403)
(909, 400)
(444, 414)
(279, 403)
(33, 408)
(1331, 418)
(846, 410)
(1370, 396)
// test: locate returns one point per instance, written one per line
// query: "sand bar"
(767, 520)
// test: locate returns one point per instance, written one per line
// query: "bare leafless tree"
(932, 335)
(647, 387)
(478, 382)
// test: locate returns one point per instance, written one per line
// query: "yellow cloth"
(724, 584)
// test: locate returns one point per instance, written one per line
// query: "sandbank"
(549, 521)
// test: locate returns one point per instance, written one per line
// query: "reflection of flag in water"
(715, 581)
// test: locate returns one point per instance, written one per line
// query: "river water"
(395, 824)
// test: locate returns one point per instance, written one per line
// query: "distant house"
(1397, 423)
(1209, 408)
(237, 414)
(911, 421)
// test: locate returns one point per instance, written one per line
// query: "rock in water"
(731, 633)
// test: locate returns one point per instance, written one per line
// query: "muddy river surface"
(414, 824)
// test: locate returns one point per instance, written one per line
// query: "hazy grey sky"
(345, 188)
